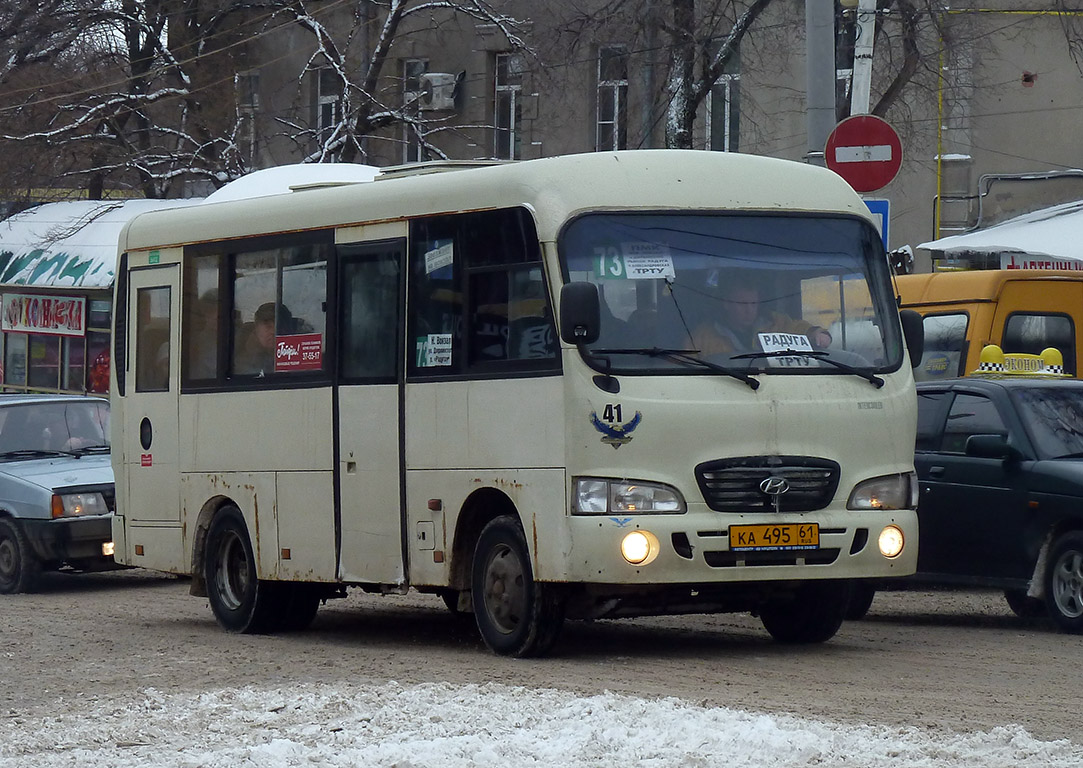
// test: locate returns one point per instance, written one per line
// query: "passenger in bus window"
(739, 315)
(258, 353)
(203, 342)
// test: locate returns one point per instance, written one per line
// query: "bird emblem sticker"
(614, 431)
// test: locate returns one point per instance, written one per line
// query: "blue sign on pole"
(881, 209)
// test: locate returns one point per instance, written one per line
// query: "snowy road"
(126, 669)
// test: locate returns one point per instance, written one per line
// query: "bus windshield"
(754, 293)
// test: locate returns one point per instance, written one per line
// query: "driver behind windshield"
(739, 315)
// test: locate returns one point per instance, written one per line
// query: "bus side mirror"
(914, 333)
(580, 313)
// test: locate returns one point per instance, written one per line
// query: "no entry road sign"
(865, 151)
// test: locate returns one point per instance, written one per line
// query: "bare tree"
(157, 104)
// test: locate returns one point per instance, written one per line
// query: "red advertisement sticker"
(145, 460)
(299, 352)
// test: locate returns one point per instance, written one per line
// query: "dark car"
(1000, 472)
(56, 487)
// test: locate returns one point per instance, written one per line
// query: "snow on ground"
(439, 724)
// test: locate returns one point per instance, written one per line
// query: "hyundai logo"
(774, 485)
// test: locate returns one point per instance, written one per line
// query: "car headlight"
(887, 492)
(79, 504)
(596, 496)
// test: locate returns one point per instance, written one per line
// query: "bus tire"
(240, 602)
(451, 602)
(19, 567)
(300, 604)
(516, 615)
(813, 615)
(862, 593)
(1064, 583)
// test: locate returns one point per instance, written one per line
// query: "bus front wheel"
(516, 615)
(240, 601)
(813, 615)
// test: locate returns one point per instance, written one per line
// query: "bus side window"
(370, 315)
(152, 340)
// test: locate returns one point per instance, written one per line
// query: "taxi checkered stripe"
(991, 367)
(1054, 369)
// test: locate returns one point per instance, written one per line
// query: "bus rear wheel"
(240, 601)
(516, 615)
(813, 615)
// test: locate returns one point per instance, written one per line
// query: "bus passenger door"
(150, 414)
(368, 426)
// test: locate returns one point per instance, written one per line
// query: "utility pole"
(820, 71)
(861, 85)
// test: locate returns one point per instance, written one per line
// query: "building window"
(723, 111)
(508, 117)
(612, 98)
(247, 86)
(328, 103)
(412, 70)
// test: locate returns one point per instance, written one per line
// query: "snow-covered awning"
(1039, 239)
(69, 244)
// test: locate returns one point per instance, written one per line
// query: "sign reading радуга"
(35, 313)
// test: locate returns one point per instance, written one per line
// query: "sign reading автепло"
(34, 313)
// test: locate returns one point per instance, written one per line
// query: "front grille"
(733, 485)
(725, 559)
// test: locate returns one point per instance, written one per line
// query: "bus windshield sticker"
(787, 342)
(634, 261)
(440, 256)
(644, 261)
(434, 350)
(299, 352)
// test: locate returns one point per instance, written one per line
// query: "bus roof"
(554, 188)
(969, 286)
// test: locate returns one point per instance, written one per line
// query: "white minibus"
(599, 385)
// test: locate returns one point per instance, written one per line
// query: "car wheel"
(861, 597)
(1064, 583)
(1022, 606)
(240, 601)
(515, 615)
(813, 615)
(19, 567)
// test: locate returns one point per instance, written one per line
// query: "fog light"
(891, 541)
(107, 549)
(639, 547)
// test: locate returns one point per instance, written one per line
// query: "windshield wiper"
(33, 453)
(818, 354)
(687, 356)
(95, 448)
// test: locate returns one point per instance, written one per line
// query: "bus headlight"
(887, 492)
(639, 547)
(597, 496)
(891, 541)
